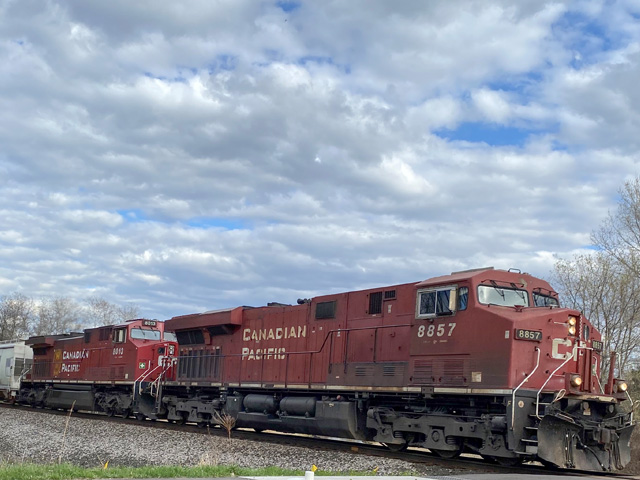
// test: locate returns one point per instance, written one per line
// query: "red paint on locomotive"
(379, 338)
(115, 353)
(483, 360)
(113, 369)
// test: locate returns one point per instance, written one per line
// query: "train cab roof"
(489, 275)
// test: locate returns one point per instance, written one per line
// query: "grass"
(67, 471)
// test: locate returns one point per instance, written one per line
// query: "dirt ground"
(633, 468)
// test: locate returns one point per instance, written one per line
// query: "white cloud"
(202, 155)
(492, 105)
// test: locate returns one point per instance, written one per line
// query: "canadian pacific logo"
(70, 360)
(277, 353)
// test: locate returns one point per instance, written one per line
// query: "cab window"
(434, 302)
(508, 297)
(145, 334)
(540, 300)
(463, 298)
(119, 335)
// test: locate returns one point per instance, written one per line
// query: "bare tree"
(102, 312)
(607, 293)
(619, 235)
(128, 312)
(16, 316)
(58, 315)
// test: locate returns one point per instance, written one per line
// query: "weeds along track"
(422, 459)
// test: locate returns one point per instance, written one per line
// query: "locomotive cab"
(493, 332)
(154, 348)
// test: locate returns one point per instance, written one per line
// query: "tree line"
(22, 316)
(605, 284)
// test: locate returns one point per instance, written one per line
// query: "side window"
(375, 303)
(190, 337)
(436, 302)
(463, 298)
(325, 310)
(119, 335)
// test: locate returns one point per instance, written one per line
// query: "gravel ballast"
(37, 437)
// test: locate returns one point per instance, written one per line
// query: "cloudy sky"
(186, 156)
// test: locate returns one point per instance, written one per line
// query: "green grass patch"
(65, 472)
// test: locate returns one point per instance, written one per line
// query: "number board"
(149, 323)
(524, 334)
(597, 345)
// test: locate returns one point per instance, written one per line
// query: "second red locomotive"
(115, 369)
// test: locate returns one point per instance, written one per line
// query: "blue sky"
(201, 155)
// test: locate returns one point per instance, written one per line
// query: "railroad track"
(422, 458)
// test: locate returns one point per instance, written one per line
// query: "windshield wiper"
(497, 289)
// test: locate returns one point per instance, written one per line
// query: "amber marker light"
(576, 381)
(572, 330)
(572, 321)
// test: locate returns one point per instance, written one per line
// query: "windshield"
(540, 300)
(509, 297)
(170, 337)
(145, 334)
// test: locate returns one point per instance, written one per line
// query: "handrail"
(167, 365)
(513, 395)
(24, 372)
(138, 381)
(633, 406)
(597, 378)
(569, 357)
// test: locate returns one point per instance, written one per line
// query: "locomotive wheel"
(449, 453)
(446, 453)
(182, 420)
(127, 413)
(141, 417)
(110, 412)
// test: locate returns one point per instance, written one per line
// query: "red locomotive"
(115, 369)
(483, 361)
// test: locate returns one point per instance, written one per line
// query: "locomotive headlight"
(576, 380)
(621, 386)
(572, 321)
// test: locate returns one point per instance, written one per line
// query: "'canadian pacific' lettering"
(249, 334)
(70, 368)
(265, 334)
(76, 355)
(275, 353)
